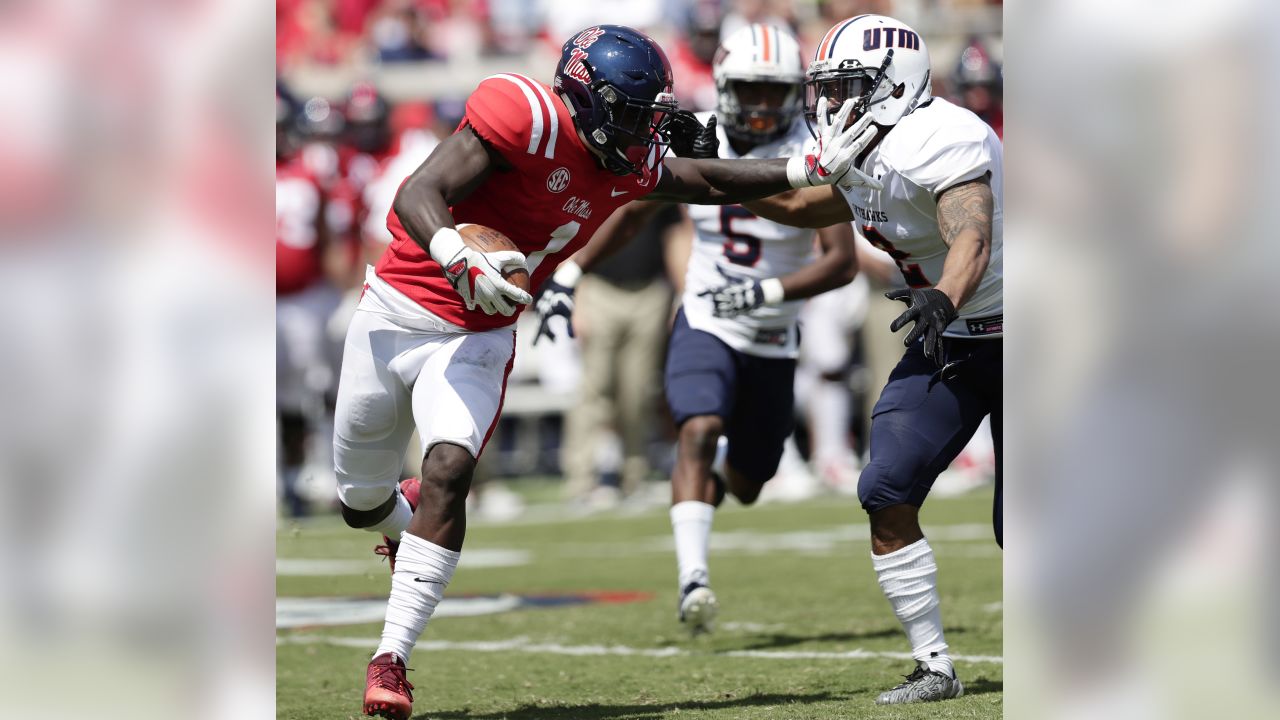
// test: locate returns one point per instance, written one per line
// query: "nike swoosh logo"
(418, 579)
(615, 192)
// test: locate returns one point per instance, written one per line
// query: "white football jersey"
(731, 241)
(937, 146)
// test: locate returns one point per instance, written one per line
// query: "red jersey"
(299, 203)
(550, 203)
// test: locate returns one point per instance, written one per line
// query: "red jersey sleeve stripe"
(535, 110)
(550, 106)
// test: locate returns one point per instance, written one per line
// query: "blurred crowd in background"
(366, 89)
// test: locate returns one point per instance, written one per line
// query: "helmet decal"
(906, 39)
(585, 39)
(575, 69)
(588, 37)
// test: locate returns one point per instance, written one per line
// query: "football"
(486, 239)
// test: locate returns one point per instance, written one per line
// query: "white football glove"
(741, 295)
(830, 158)
(557, 300)
(477, 276)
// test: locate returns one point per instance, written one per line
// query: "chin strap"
(866, 99)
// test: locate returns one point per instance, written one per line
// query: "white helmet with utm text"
(759, 73)
(877, 61)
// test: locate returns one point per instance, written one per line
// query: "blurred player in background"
(432, 341)
(938, 213)
(694, 54)
(414, 134)
(831, 322)
(307, 292)
(979, 85)
(731, 361)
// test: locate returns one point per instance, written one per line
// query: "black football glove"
(691, 139)
(932, 312)
(556, 300)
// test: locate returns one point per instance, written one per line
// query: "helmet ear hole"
(899, 90)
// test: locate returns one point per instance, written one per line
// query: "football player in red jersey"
(432, 342)
(307, 292)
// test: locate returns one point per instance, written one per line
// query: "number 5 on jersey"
(739, 248)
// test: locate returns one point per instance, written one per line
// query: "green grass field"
(803, 630)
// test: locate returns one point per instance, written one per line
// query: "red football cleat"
(410, 488)
(387, 692)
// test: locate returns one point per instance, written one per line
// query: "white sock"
(720, 461)
(691, 522)
(423, 571)
(829, 411)
(909, 578)
(397, 521)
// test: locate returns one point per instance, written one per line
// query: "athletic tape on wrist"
(445, 244)
(568, 274)
(797, 172)
(771, 289)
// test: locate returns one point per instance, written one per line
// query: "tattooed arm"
(964, 220)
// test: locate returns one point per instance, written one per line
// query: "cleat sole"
(699, 611)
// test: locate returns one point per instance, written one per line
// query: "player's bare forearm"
(837, 265)
(720, 182)
(453, 170)
(964, 221)
(814, 207)
(616, 232)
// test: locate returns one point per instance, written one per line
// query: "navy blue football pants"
(754, 396)
(924, 418)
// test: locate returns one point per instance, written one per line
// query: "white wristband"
(771, 289)
(445, 245)
(797, 172)
(568, 274)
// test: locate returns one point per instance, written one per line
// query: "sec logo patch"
(558, 180)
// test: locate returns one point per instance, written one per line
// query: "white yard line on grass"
(524, 645)
(762, 542)
(323, 567)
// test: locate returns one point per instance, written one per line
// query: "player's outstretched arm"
(828, 160)
(815, 207)
(720, 182)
